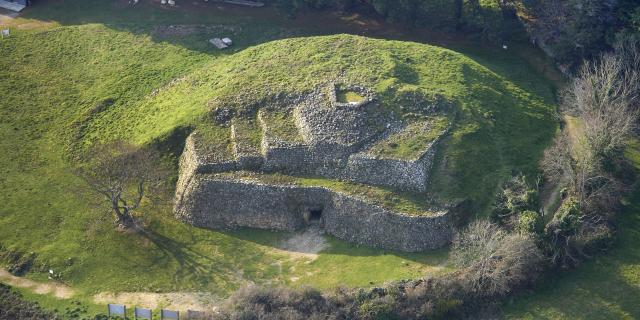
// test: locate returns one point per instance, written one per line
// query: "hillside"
(493, 117)
(65, 87)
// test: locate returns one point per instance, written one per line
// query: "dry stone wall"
(220, 203)
(324, 138)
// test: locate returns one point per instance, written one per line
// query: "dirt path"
(306, 244)
(181, 301)
(58, 290)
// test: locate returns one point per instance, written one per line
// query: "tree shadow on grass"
(193, 266)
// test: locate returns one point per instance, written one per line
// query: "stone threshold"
(12, 6)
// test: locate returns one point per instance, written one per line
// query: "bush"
(514, 197)
(530, 223)
(256, 302)
(12, 307)
(378, 309)
(567, 218)
(495, 261)
(562, 233)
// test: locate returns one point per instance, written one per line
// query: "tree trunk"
(124, 219)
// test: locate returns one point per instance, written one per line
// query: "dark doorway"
(315, 215)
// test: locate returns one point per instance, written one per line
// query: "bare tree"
(557, 163)
(495, 261)
(604, 96)
(123, 175)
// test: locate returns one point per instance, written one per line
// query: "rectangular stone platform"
(12, 6)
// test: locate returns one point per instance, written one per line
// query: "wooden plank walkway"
(11, 6)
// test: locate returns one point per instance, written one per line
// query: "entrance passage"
(315, 215)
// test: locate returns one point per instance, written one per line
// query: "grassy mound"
(66, 87)
(499, 127)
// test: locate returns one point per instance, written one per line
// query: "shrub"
(562, 233)
(378, 309)
(530, 223)
(514, 197)
(12, 307)
(495, 261)
(256, 302)
(445, 306)
(567, 218)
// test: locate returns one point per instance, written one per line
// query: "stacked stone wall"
(358, 221)
(218, 203)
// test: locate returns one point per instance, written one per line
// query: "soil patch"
(181, 301)
(306, 244)
(58, 290)
(6, 16)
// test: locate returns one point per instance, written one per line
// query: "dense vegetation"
(592, 166)
(491, 19)
(13, 306)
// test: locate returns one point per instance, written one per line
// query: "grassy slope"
(607, 287)
(51, 76)
(496, 116)
(37, 179)
(409, 144)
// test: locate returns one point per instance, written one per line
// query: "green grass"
(66, 57)
(500, 126)
(248, 133)
(214, 142)
(280, 125)
(606, 287)
(348, 96)
(408, 203)
(354, 269)
(411, 142)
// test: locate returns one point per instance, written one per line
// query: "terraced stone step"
(403, 159)
(239, 199)
(279, 128)
(210, 150)
(411, 142)
(282, 145)
(246, 138)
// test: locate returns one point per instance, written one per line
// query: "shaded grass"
(248, 133)
(280, 125)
